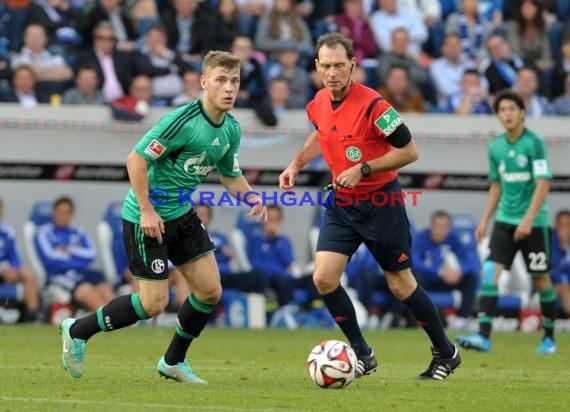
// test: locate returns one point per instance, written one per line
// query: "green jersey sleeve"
(162, 139)
(229, 163)
(493, 167)
(540, 162)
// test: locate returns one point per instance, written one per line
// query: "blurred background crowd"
(444, 56)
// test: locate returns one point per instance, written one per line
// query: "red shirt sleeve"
(384, 118)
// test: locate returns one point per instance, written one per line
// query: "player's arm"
(151, 223)
(538, 198)
(240, 189)
(490, 208)
(404, 151)
(310, 150)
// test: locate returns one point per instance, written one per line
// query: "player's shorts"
(385, 230)
(535, 248)
(184, 240)
(72, 279)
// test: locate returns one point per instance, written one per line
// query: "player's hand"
(349, 178)
(258, 209)
(152, 224)
(481, 231)
(287, 178)
(523, 230)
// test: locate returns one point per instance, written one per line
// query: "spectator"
(389, 18)
(190, 30)
(472, 98)
(192, 88)
(23, 88)
(561, 69)
(561, 104)
(429, 11)
(471, 27)
(353, 22)
(272, 254)
(280, 25)
(134, 106)
(52, 72)
(229, 21)
(527, 86)
(85, 91)
(113, 66)
(12, 270)
(560, 259)
(447, 71)
(250, 282)
(161, 64)
(528, 35)
(280, 94)
(63, 24)
(67, 253)
(253, 91)
(255, 7)
(501, 67)
(121, 24)
(400, 56)
(442, 263)
(397, 91)
(287, 66)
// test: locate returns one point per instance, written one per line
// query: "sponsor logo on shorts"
(154, 150)
(157, 266)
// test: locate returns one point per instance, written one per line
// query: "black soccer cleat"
(440, 368)
(365, 364)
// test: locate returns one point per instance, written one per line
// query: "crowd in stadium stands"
(445, 260)
(445, 56)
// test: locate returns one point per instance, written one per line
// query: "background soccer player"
(364, 141)
(519, 171)
(158, 224)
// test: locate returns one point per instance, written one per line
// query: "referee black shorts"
(385, 229)
(185, 239)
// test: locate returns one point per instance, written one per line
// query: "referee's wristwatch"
(365, 169)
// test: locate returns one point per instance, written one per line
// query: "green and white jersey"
(516, 166)
(181, 149)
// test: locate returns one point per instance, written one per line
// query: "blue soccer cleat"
(181, 372)
(73, 350)
(547, 347)
(475, 341)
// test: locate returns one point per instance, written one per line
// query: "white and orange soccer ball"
(332, 364)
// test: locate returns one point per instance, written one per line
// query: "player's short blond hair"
(219, 58)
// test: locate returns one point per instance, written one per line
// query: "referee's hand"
(287, 178)
(152, 224)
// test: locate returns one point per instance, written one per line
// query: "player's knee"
(325, 283)
(27, 276)
(209, 293)
(154, 305)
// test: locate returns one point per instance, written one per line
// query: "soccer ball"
(332, 364)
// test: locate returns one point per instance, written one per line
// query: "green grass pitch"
(264, 370)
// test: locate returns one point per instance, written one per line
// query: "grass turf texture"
(265, 370)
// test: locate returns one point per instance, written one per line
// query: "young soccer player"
(519, 171)
(159, 223)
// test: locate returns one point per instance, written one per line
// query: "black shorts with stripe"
(184, 239)
(535, 248)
